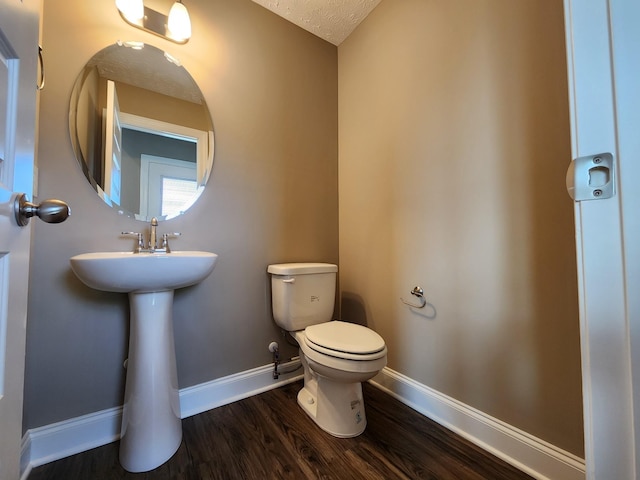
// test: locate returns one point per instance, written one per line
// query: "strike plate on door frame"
(591, 177)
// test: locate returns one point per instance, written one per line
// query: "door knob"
(50, 211)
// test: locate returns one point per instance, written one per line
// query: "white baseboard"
(206, 396)
(52, 442)
(536, 457)
(59, 440)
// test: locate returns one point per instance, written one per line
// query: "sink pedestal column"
(151, 425)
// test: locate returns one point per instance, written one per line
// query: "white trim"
(534, 456)
(206, 396)
(599, 58)
(156, 127)
(59, 440)
(524, 451)
(625, 17)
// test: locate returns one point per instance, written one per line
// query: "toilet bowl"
(332, 392)
(336, 355)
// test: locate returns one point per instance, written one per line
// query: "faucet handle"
(165, 240)
(140, 241)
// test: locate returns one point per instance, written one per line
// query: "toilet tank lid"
(301, 268)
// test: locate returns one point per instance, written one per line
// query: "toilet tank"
(302, 294)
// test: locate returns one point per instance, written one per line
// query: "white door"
(167, 185)
(603, 54)
(19, 22)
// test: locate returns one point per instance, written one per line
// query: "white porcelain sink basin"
(127, 272)
(151, 429)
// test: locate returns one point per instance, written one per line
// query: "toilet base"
(336, 407)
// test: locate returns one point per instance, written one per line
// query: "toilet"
(336, 356)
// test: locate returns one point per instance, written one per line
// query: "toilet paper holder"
(417, 292)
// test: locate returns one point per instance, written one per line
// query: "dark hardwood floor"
(268, 436)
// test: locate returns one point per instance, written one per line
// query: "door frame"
(600, 38)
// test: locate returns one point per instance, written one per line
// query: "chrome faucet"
(152, 235)
(152, 246)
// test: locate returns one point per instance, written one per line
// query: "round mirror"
(141, 131)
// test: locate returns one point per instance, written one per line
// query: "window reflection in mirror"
(141, 132)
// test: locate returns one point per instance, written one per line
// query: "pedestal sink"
(151, 426)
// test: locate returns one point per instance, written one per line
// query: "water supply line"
(274, 349)
(289, 366)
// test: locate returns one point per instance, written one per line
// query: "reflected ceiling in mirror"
(141, 131)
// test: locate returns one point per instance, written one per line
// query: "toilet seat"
(344, 340)
(338, 362)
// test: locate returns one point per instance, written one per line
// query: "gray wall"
(272, 91)
(454, 140)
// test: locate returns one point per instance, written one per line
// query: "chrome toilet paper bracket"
(418, 292)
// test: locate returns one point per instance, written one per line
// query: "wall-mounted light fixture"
(175, 27)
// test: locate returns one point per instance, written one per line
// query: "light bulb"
(179, 23)
(133, 10)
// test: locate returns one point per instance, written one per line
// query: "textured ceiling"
(147, 68)
(332, 20)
